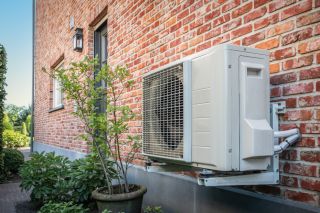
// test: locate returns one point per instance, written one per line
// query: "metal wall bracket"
(271, 176)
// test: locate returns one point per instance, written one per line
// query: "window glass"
(57, 92)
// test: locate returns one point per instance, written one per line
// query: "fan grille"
(163, 113)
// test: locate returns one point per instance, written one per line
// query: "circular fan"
(169, 110)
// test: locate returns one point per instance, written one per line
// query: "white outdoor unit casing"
(210, 110)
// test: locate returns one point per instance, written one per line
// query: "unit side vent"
(163, 113)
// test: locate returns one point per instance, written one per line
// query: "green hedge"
(13, 159)
(13, 139)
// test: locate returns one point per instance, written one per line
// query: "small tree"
(28, 124)
(7, 125)
(3, 71)
(24, 129)
(104, 130)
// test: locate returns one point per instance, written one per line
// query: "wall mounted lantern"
(78, 40)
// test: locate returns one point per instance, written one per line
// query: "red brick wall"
(148, 34)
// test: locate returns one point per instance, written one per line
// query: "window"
(56, 89)
(101, 51)
(57, 94)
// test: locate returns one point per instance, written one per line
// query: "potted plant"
(105, 120)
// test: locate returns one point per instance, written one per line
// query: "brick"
(308, 101)
(183, 14)
(212, 15)
(230, 5)
(317, 30)
(189, 52)
(212, 33)
(275, 92)
(308, 19)
(241, 31)
(188, 3)
(297, 36)
(171, 22)
(278, 4)
(287, 126)
(310, 156)
(255, 14)
(298, 115)
(313, 185)
(242, 10)
(301, 196)
(291, 155)
(238, 42)
(269, 44)
(291, 103)
(283, 53)
(188, 19)
(318, 86)
(196, 23)
(297, 62)
(299, 8)
(266, 21)
(309, 46)
(175, 27)
(317, 3)
(283, 78)
(318, 58)
(222, 19)
(310, 128)
(258, 3)
(196, 41)
(203, 46)
(274, 68)
(298, 88)
(182, 47)
(310, 73)
(203, 29)
(280, 28)
(221, 39)
(175, 43)
(300, 169)
(231, 25)
(289, 181)
(306, 142)
(317, 114)
(196, 6)
(253, 39)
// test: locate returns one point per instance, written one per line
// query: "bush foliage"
(13, 159)
(45, 175)
(13, 139)
(55, 178)
(65, 207)
(3, 71)
(85, 176)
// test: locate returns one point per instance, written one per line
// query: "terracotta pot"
(126, 202)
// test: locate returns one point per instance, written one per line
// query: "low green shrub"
(46, 175)
(86, 175)
(65, 207)
(13, 139)
(13, 159)
(55, 178)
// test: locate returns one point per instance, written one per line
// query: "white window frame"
(57, 98)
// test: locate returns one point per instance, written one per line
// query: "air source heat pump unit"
(210, 110)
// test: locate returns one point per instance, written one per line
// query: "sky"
(16, 37)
